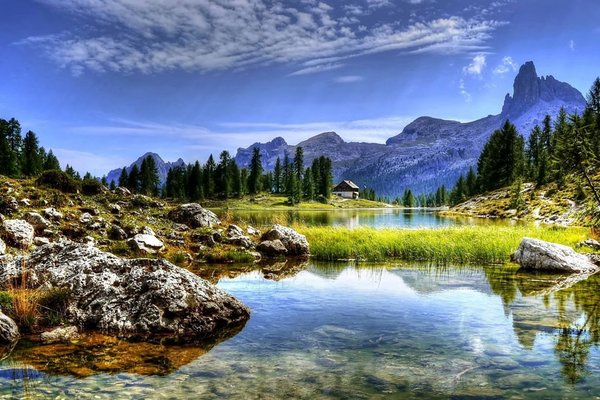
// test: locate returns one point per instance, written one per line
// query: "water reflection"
(352, 218)
(333, 330)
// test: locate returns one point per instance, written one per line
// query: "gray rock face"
(17, 232)
(535, 254)
(194, 216)
(60, 335)
(272, 248)
(52, 214)
(38, 222)
(143, 298)
(145, 243)
(9, 332)
(295, 243)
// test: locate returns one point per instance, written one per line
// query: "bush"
(57, 179)
(91, 187)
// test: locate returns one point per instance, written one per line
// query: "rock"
(252, 231)
(115, 208)
(86, 218)
(272, 248)
(205, 239)
(39, 223)
(194, 216)
(9, 332)
(26, 202)
(591, 243)
(146, 230)
(52, 214)
(123, 191)
(235, 236)
(17, 232)
(9, 205)
(41, 241)
(89, 241)
(181, 227)
(143, 298)
(535, 254)
(117, 233)
(146, 243)
(90, 210)
(60, 335)
(295, 243)
(2, 248)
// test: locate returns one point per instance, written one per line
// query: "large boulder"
(295, 243)
(9, 332)
(194, 216)
(535, 254)
(38, 222)
(272, 248)
(17, 232)
(60, 335)
(141, 298)
(145, 243)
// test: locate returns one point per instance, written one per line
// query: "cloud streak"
(127, 36)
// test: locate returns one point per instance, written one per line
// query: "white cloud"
(463, 91)
(476, 66)
(572, 45)
(207, 35)
(84, 161)
(507, 65)
(348, 79)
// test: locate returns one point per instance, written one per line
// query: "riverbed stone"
(139, 298)
(194, 216)
(60, 335)
(17, 232)
(535, 254)
(145, 243)
(295, 243)
(9, 332)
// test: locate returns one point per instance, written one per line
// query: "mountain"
(162, 166)
(429, 151)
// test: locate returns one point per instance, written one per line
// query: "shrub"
(60, 180)
(91, 187)
(53, 305)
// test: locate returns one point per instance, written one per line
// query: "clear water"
(336, 331)
(378, 218)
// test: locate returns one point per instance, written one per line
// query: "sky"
(102, 82)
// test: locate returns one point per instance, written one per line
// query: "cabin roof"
(346, 184)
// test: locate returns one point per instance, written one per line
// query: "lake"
(351, 218)
(337, 331)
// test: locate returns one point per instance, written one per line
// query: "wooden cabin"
(347, 190)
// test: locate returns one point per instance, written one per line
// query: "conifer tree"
(124, 178)
(51, 162)
(31, 164)
(277, 176)
(209, 177)
(256, 170)
(133, 181)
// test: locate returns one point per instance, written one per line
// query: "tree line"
(225, 179)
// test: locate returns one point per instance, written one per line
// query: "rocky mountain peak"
(323, 139)
(529, 89)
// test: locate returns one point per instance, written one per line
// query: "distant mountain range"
(429, 152)
(162, 167)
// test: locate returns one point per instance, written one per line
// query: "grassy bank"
(464, 245)
(268, 201)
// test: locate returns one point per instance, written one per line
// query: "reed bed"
(459, 245)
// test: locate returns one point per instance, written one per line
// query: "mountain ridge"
(162, 167)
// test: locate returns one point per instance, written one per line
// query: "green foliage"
(57, 179)
(91, 187)
(256, 170)
(469, 244)
(408, 199)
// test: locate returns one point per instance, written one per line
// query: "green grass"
(462, 245)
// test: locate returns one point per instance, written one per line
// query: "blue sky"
(103, 81)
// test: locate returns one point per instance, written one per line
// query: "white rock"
(52, 214)
(17, 232)
(146, 243)
(39, 223)
(535, 254)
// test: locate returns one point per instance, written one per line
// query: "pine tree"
(31, 164)
(223, 178)
(209, 178)
(51, 162)
(471, 183)
(14, 147)
(299, 163)
(277, 177)
(408, 199)
(124, 178)
(256, 170)
(237, 185)
(287, 174)
(308, 185)
(133, 181)
(195, 187)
